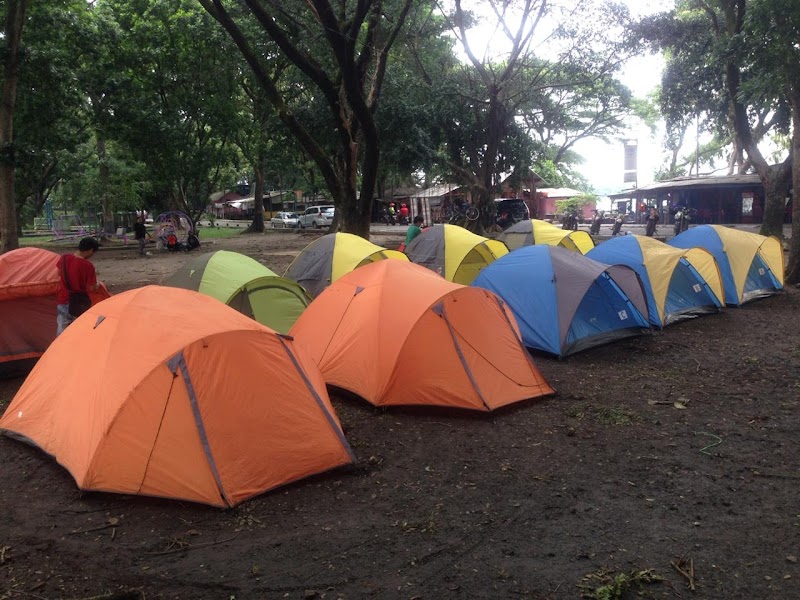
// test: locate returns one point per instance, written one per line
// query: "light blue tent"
(679, 283)
(565, 302)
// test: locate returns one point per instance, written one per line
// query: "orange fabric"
(28, 272)
(104, 402)
(28, 284)
(379, 332)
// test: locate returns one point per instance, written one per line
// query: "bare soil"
(672, 452)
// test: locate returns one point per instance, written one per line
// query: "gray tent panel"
(313, 267)
(428, 249)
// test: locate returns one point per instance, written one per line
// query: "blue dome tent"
(565, 302)
(751, 265)
(679, 283)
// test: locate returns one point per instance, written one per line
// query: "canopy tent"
(166, 392)
(246, 285)
(751, 265)
(536, 231)
(395, 333)
(330, 257)
(679, 283)
(453, 252)
(28, 285)
(565, 302)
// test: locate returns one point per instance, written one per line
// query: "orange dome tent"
(396, 333)
(167, 392)
(28, 285)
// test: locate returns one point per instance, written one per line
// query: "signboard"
(630, 169)
(630, 156)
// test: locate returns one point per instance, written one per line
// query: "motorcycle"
(615, 230)
(388, 218)
(682, 218)
(596, 222)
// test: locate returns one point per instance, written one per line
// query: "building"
(545, 203)
(718, 199)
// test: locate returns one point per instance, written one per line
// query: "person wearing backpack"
(77, 278)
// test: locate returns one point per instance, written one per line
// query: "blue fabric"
(687, 291)
(626, 250)
(525, 281)
(604, 309)
(705, 237)
(760, 278)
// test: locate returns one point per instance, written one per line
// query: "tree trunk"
(105, 200)
(793, 266)
(15, 19)
(257, 226)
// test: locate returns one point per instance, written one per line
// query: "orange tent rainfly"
(28, 285)
(167, 392)
(396, 333)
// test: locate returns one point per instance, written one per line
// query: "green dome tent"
(245, 285)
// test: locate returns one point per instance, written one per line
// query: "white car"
(316, 216)
(282, 220)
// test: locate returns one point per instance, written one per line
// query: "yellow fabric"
(549, 234)
(351, 251)
(660, 261)
(706, 265)
(742, 247)
(459, 243)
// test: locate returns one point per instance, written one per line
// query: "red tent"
(28, 284)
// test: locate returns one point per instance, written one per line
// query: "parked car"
(316, 216)
(284, 219)
(510, 211)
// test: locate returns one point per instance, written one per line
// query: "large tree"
(174, 99)
(487, 137)
(342, 49)
(708, 73)
(775, 69)
(12, 36)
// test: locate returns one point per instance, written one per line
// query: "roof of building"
(560, 192)
(682, 183)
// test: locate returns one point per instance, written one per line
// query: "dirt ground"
(673, 451)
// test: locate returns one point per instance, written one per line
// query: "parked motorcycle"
(617, 228)
(388, 218)
(597, 220)
(683, 217)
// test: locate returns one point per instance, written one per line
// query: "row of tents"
(171, 392)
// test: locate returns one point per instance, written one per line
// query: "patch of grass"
(602, 415)
(607, 585)
(215, 233)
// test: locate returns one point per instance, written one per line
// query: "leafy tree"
(564, 99)
(343, 51)
(12, 36)
(172, 99)
(772, 30)
(708, 72)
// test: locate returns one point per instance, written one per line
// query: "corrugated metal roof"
(437, 190)
(682, 183)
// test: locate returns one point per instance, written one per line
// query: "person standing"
(140, 234)
(652, 220)
(414, 229)
(77, 277)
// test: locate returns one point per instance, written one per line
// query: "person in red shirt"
(82, 278)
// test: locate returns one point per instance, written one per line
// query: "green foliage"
(614, 586)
